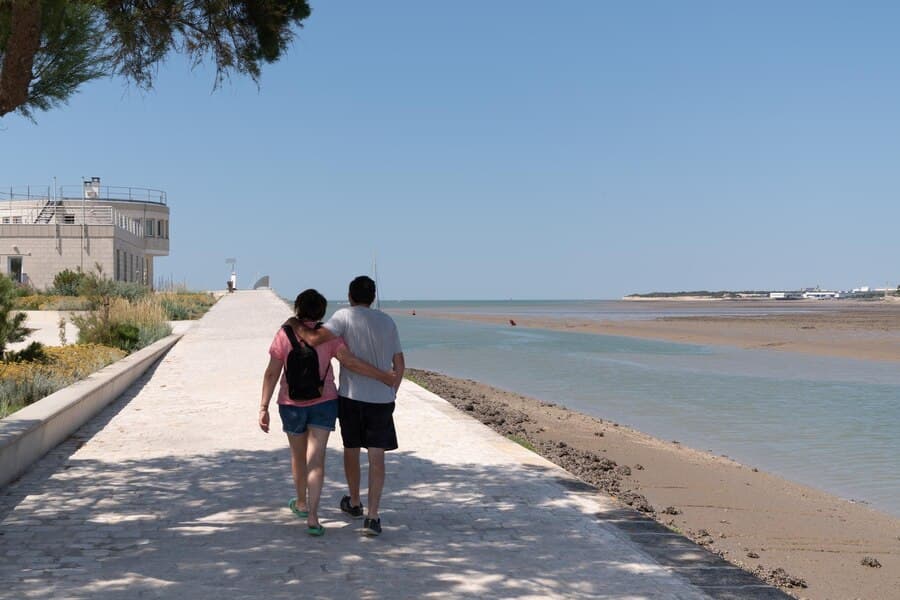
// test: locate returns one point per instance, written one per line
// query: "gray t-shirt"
(371, 336)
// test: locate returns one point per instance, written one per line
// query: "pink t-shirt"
(279, 350)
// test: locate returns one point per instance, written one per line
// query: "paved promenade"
(173, 492)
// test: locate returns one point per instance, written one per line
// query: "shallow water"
(827, 422)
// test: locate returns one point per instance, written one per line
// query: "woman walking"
(308, 421)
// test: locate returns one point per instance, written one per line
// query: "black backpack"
(301, 369)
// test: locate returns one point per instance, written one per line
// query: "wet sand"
(789, 534)
(849, 329)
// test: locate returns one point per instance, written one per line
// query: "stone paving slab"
(173, 492)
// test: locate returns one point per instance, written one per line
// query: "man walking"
(366, 406)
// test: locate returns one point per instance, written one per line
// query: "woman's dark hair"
(310, 305)
(362, 290)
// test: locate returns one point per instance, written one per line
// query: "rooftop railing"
(53, 215)
(78, 192)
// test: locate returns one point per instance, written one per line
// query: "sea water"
(827, 422)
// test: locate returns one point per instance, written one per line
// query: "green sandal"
(315, 530)
(300, 514)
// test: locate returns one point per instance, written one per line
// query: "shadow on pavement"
(218, 526)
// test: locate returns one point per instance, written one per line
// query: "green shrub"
(184, 306)
(122, 324)
(67, 282)
(129, 290)
(125, 336)
(23, 289)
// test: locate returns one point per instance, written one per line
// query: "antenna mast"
(377, 285)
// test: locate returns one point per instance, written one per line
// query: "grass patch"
(523, 442)
(416, 380)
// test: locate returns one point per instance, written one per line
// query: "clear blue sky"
(517, 149)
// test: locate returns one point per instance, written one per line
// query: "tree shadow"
(218, 525)
(55, 460)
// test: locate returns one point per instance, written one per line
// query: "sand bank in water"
(756, 520)
(868, 331)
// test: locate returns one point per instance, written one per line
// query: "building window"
(16, 220)
(6, 220)
(159, 232)
(148, 227)
(69, 219)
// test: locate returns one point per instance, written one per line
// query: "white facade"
(120, 229)
(821, 295)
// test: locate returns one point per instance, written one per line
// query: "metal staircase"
(48, 212)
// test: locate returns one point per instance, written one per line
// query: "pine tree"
(12, 328)
(49, 48)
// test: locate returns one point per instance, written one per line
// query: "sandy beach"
(849, 329)
(789, 534)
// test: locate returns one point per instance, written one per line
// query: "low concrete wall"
(28, 434)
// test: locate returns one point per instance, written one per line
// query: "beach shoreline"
(858, 330)
(780, 530)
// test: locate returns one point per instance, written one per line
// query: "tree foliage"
(12, 323)
(48, 48)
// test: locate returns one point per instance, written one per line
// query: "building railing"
(72, 192)
(58, 215)
(111, 192)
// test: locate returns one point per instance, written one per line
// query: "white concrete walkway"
(173, 492)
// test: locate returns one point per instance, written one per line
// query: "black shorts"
(367, 425)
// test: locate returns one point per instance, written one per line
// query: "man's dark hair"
(362, 290)
(310, 305)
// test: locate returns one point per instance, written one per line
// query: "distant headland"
(861, 293)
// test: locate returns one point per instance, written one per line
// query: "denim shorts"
(296, 419)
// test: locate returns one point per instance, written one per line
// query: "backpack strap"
(327, 371)
(292, 338)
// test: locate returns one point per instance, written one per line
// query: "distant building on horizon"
(45, 231)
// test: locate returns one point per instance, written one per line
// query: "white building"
(120, 228)
(821, 295)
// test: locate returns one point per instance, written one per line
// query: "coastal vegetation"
(522, 442)
(114, 319)
(79, 291)
(27, 381)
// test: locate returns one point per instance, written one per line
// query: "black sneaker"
(354, 511)
(372, 527)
